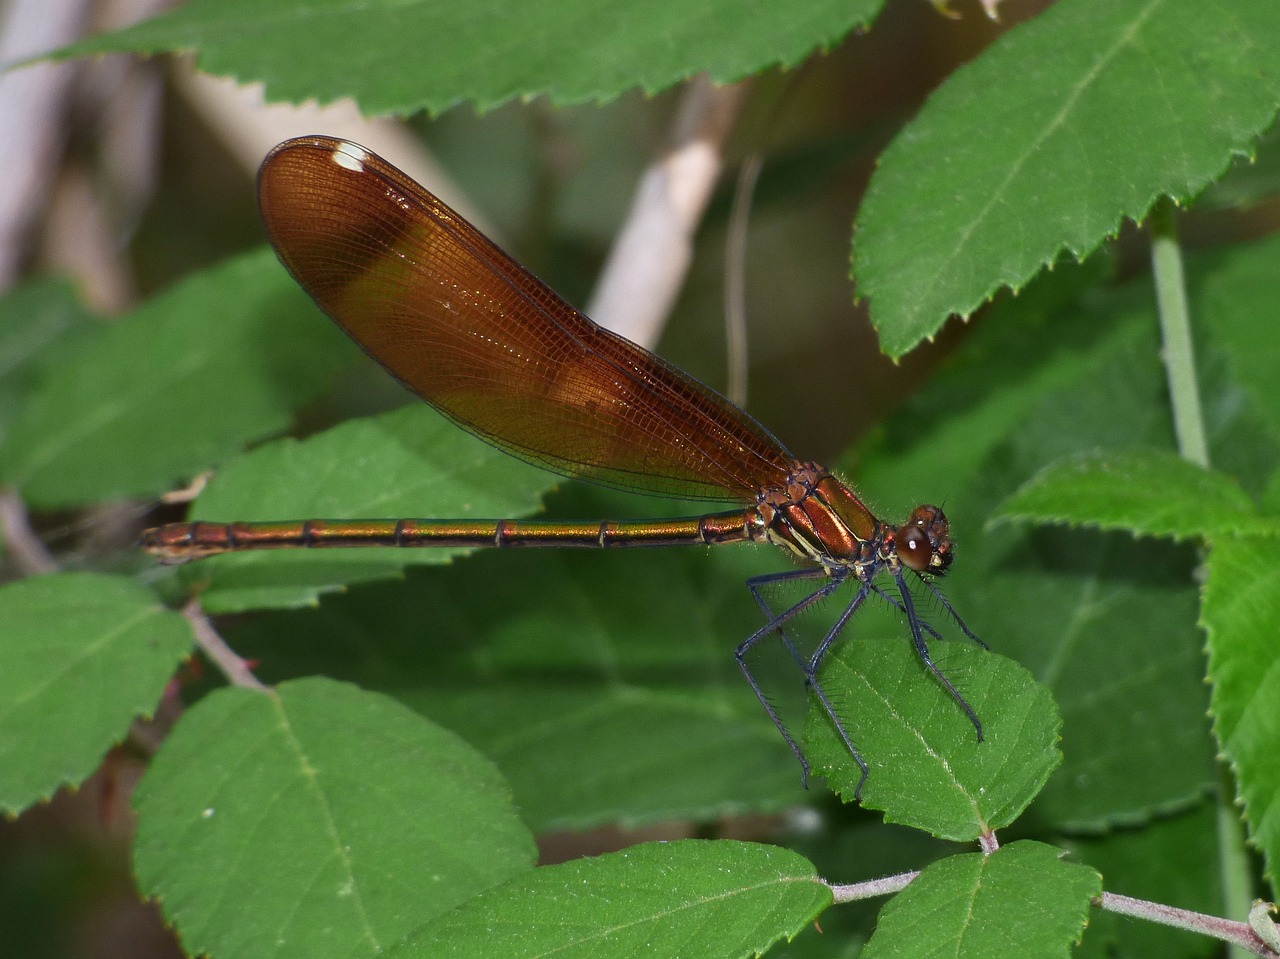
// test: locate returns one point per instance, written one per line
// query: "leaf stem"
(1188, 423)
(1233, 859)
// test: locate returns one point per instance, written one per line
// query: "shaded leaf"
(603, 684)
(1236, 299)
(187, 378)
(317, 819)
(82, 656)
(581, 757)
(681, 899)
(1162, 862)
(1147, 492)
(41, 324)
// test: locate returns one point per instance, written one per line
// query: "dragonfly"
(466, 328)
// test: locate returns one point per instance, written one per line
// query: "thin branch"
(215, 647)
(886, 886)
(653, 250)
(1236, 933)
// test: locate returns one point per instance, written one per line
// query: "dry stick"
(653, 249)
(28, 552)
(32, 101)
(735, 279)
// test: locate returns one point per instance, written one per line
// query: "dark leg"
(951, 612)
(754, 584)
(899, 607)
(811, 679)
(810, 666)
(776, 624)
(922, 648)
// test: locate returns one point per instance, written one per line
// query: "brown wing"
(477, 336)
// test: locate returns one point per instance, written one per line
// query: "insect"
(465, 327)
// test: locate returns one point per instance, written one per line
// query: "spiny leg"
(811, 679)
(756, 582)
(937, 594)
(922, 649)
(775, 624)
(899, 607)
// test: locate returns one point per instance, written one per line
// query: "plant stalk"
(1188, 423)
(1175, 331)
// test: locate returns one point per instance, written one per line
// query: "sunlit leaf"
(1023, 900)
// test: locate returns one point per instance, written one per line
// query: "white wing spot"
(350, 157)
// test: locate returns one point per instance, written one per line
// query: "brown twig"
(28, 552)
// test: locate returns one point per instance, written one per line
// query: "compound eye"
(914, 548)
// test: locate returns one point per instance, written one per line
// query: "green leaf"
(41, 325)
(927, 768)
(1106, 621)
(1147, 492)
(603, 684)
(1241, 613)
(317, 819)
(582, 757)
(680, 899)
(190, 376)
(1058, 131)
(83, 655)
(1022, 900)
(857, 849)
(1162, 862)
(1236, 299)
(1042, 344)
(410, 462)
(486, 52)
(1251, 180)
